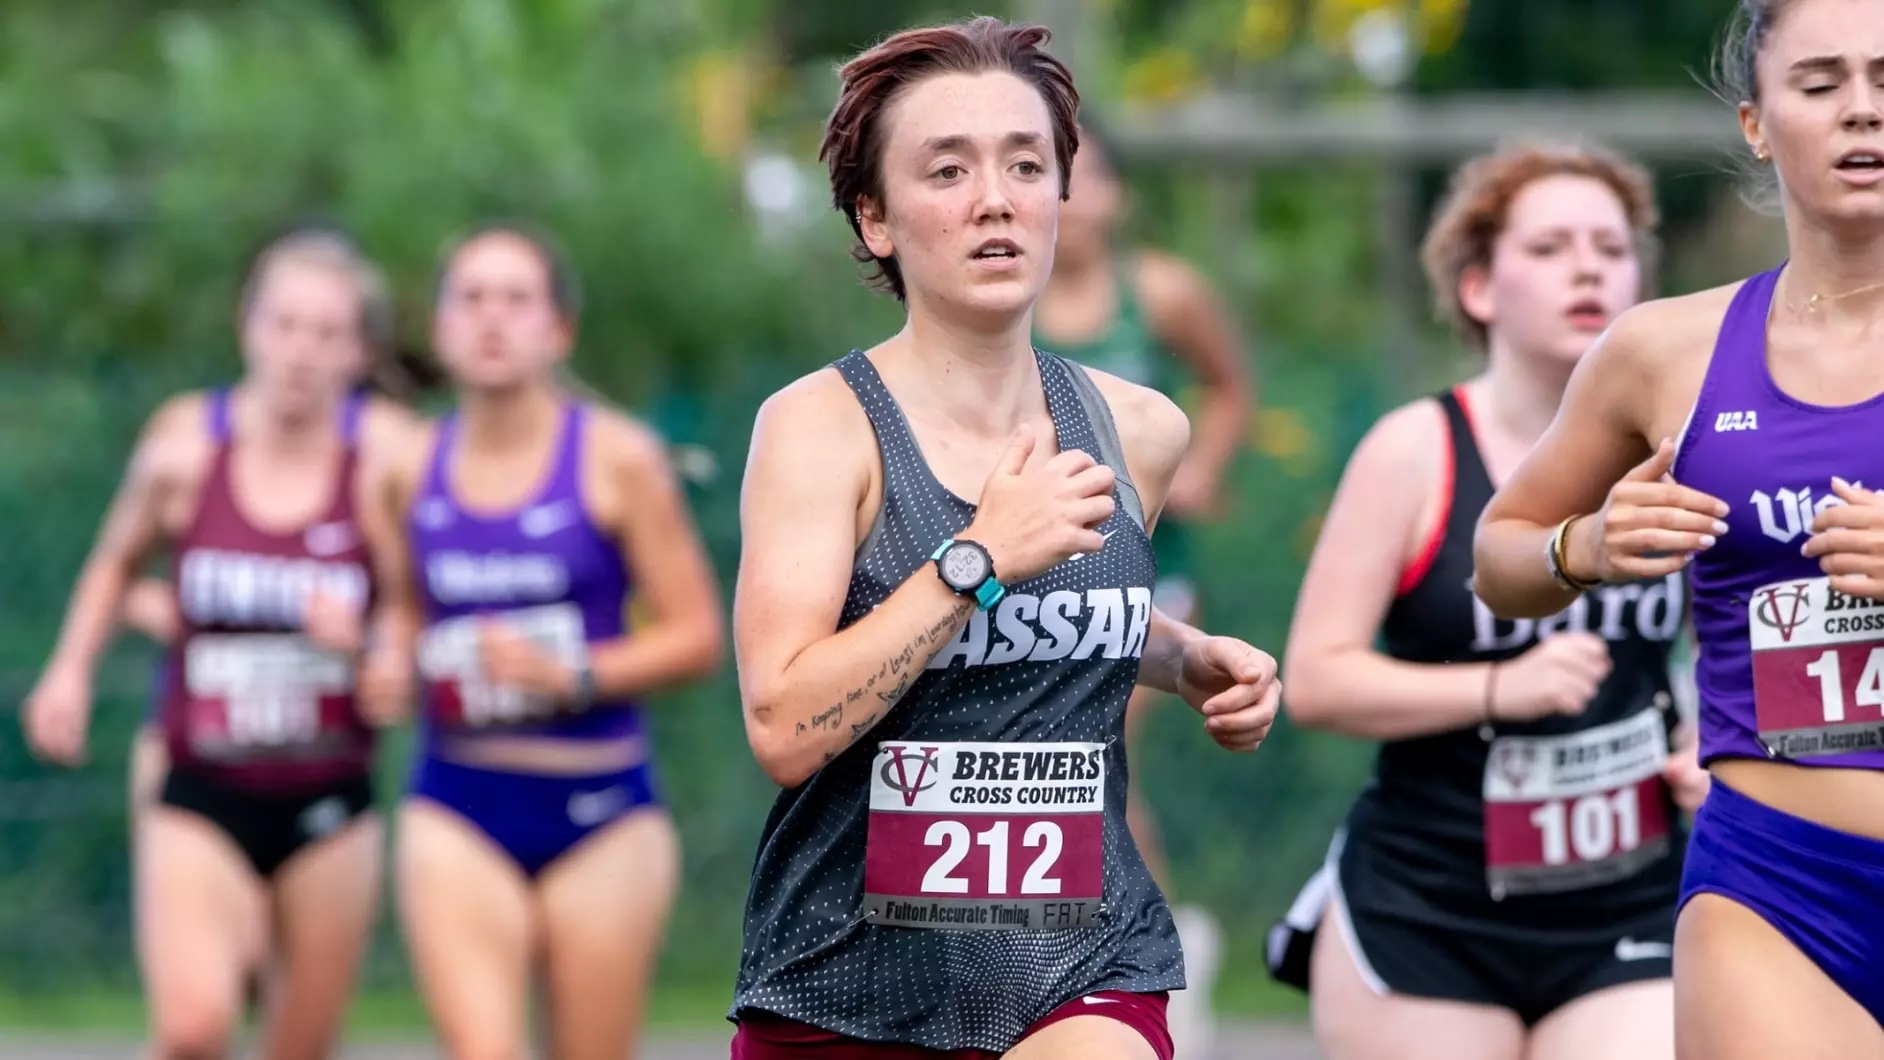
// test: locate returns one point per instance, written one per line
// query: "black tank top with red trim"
(250, 700)
(1559, 828)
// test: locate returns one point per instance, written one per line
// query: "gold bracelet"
(1557, 558)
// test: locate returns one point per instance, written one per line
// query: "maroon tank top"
(251, 700)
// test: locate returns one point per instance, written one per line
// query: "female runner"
(260, 848)
(940, 685)
(150, 603)
(527, 520)
(1730, 432)
(1481, 913)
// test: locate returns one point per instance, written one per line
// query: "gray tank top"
(965, 868)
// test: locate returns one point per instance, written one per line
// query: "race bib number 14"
(986, 836)
(1818, 669)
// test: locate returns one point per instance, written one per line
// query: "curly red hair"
(1475, 210)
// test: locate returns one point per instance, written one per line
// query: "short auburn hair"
(1478, 205)
(854, 135)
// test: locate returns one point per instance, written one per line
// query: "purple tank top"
(1789, 668)
(544, 567)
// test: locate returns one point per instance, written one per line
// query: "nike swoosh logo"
(594, 807)
(324, 816)
(329, 539)
(544, 521)
(1107, 536)
(1628, 949)
(1099, 1000)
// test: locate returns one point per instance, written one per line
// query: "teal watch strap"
(988, 593)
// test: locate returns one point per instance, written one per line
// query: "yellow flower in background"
(1283, 436)
(720, 87)
(1443, 21)
(1257, 30)
(1280, 434)
(1266, 28)
(1437, 22)
(1163, 76)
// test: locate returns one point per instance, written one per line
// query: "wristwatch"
(966, 568)
(583, 696)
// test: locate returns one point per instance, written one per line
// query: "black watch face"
(964, 566)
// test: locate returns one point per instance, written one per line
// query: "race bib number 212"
(986, 836)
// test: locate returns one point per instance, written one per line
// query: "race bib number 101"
(986, 836)
(1579, 810)
(1818, 669)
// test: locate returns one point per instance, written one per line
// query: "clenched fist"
(1558, 676)
(1234, 687)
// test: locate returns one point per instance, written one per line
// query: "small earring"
(1760, 154)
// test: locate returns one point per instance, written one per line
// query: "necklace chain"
(1815, 301)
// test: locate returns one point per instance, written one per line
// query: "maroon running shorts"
(763, 1036)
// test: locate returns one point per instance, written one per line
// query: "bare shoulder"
(1169, 287)
(175, 444)
(816, 416)
(1681, 328)
(1651, 361)
(820, 393)
(386, 424)
(1662, 339)
(397, 449)
(627, 443)
(1166, 281)
(1153, 429)
(1406, 441)
(179, 414)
